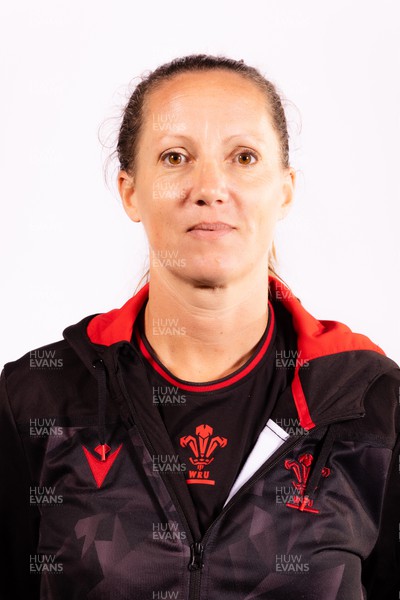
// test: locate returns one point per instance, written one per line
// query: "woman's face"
(208, 185)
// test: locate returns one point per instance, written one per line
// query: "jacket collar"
(331, 359)
(316, 337)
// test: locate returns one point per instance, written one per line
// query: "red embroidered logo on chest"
(100, 467)
(202, 447)
(301, 469)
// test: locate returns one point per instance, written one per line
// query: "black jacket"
(316, 518)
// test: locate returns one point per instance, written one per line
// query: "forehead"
(218, 97)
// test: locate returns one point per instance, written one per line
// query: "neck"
(203, 334)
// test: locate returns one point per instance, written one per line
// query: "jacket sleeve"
(18, 520)
(381, 570)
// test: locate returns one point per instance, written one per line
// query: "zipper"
(195, 566)
(196, 556)
(197, 548)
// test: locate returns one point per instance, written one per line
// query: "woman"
(210, 439)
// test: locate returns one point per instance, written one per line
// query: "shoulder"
(386, 384)
(382, 401)
(36, 358)
(43, 380)
(37, 364)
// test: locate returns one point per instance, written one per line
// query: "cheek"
(155, 222)
(154, 197)
(166, 189)
(262, 205)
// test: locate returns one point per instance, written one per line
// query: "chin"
(207, 278)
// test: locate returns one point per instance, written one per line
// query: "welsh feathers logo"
(202, 446)
(101, 466)
(301, 469)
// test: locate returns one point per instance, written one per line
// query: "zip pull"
(196, 556)
(99, 366)
(102, 449)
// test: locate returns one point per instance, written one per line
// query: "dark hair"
(133, 113)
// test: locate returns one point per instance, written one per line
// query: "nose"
(209, 184)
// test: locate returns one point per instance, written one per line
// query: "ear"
(127, 192)
(288, 186)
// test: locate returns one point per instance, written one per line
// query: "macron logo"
(100, 468)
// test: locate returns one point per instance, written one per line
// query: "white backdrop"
(67, 247)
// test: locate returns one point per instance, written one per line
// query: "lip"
(210, 230)
(211, 226)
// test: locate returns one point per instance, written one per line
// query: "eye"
(246, 157)
(173, 158)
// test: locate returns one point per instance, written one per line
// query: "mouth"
(209, 231)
